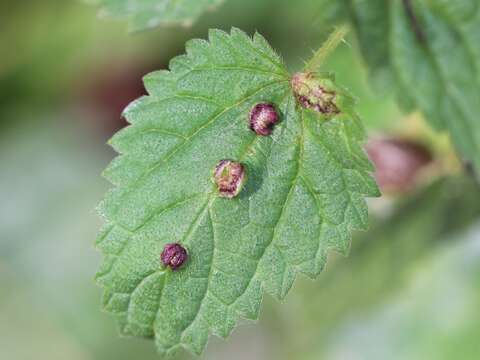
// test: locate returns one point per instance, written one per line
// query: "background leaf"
(434, 317)
(304, 194)
(144, 14)
(428, 52)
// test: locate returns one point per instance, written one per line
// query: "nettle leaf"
(303, 195)
(145, 14)
(429, 50)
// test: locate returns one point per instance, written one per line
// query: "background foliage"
(427, 53)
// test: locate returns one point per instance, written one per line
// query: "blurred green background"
(410, 288)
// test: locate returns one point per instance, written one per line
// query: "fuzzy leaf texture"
(303, 195)
(429, 50)
(145, 14)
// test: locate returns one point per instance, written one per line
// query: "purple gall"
(399, 163)
(263, 118)
(229, 176)
(174, 255)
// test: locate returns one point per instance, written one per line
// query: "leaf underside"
(431, 59)
(145, 14)
(304, 194)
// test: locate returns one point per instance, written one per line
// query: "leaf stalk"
(327, 48)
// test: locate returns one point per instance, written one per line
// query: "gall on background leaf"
(428, 52)
(303, 196)
(145, 14)
(400, 163)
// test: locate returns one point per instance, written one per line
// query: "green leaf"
(145, 14)
(304, 193)
(429, 50)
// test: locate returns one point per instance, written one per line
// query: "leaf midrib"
(212, 199)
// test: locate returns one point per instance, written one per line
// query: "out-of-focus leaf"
(144, 14)
(429, 51)
(435, 318)
(304, 193)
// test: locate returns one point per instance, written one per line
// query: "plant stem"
(326, 49)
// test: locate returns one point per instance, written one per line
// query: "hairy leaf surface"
(429, 50)
(304, 194)
(144, 14)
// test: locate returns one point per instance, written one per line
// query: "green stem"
(326, 49)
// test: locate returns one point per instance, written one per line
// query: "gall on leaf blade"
(303, 195)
